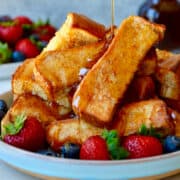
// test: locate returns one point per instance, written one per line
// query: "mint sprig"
(15, 127)
(113, 142)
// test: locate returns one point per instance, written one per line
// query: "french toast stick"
(31, 105)
(77, 30)
(70, 130)
(103, 87)
(151, 113)
(23, 80)
(65, 68)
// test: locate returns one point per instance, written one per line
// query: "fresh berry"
(25, 133)
(41, 44)
(48, 152)
(3, 106)
(45, 32)
(115, 149)
(34, 37)
(21, 20)
(18, 56)
(5, 53)
(10, 32)
(94, 148)
(142, 146)
(70, 150)
(171, 144)
(2, 114)
(27, 47)
(5, 18)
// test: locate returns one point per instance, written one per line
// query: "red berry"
(20, 20)
(45, 32)
(142, 146)
(30, 137)
(94, 148)
(11, 33)
(26, 47)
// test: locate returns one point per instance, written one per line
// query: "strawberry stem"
(15, 127)
(113, 142)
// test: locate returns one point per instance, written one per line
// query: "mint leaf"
(113, 142)
(15, 127)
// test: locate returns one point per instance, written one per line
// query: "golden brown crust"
(70, 130)
(151, 113)
(31, 105)
(65, 67)
(77, 30)
(103, 87)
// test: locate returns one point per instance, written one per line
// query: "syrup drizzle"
(112, 17)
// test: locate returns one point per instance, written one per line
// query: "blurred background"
(56, 10)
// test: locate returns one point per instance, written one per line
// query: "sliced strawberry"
(25, 133)
(140, 146)
(94, 148)
(27, 47)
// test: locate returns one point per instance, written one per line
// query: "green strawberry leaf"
(113, 142)
(5, 53)
(143, 130)
(15, 127)
(27, 27)
(40, 22)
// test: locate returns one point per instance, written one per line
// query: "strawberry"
(142, 146)
(10, 32)
(94, 148)
(26, 133)
(45, 32)
(27, 47)
(22, 20)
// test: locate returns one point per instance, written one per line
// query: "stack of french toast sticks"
(88, 79)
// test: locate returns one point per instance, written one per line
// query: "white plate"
(50, 167)
(6, 70)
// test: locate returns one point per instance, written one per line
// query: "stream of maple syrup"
(112, 16)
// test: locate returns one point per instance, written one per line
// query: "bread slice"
(23, 80)
(57, 71)
(70, 130)
(104, 85)
(30, 105)
(77, 30)
(151, 113)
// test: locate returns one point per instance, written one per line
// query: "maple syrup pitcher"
(165, 12)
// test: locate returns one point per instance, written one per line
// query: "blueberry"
(171, 144)
(48, 152)
(2, 114)
(5, 18)
(3, 106)
(70, 150)
(17, 56)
